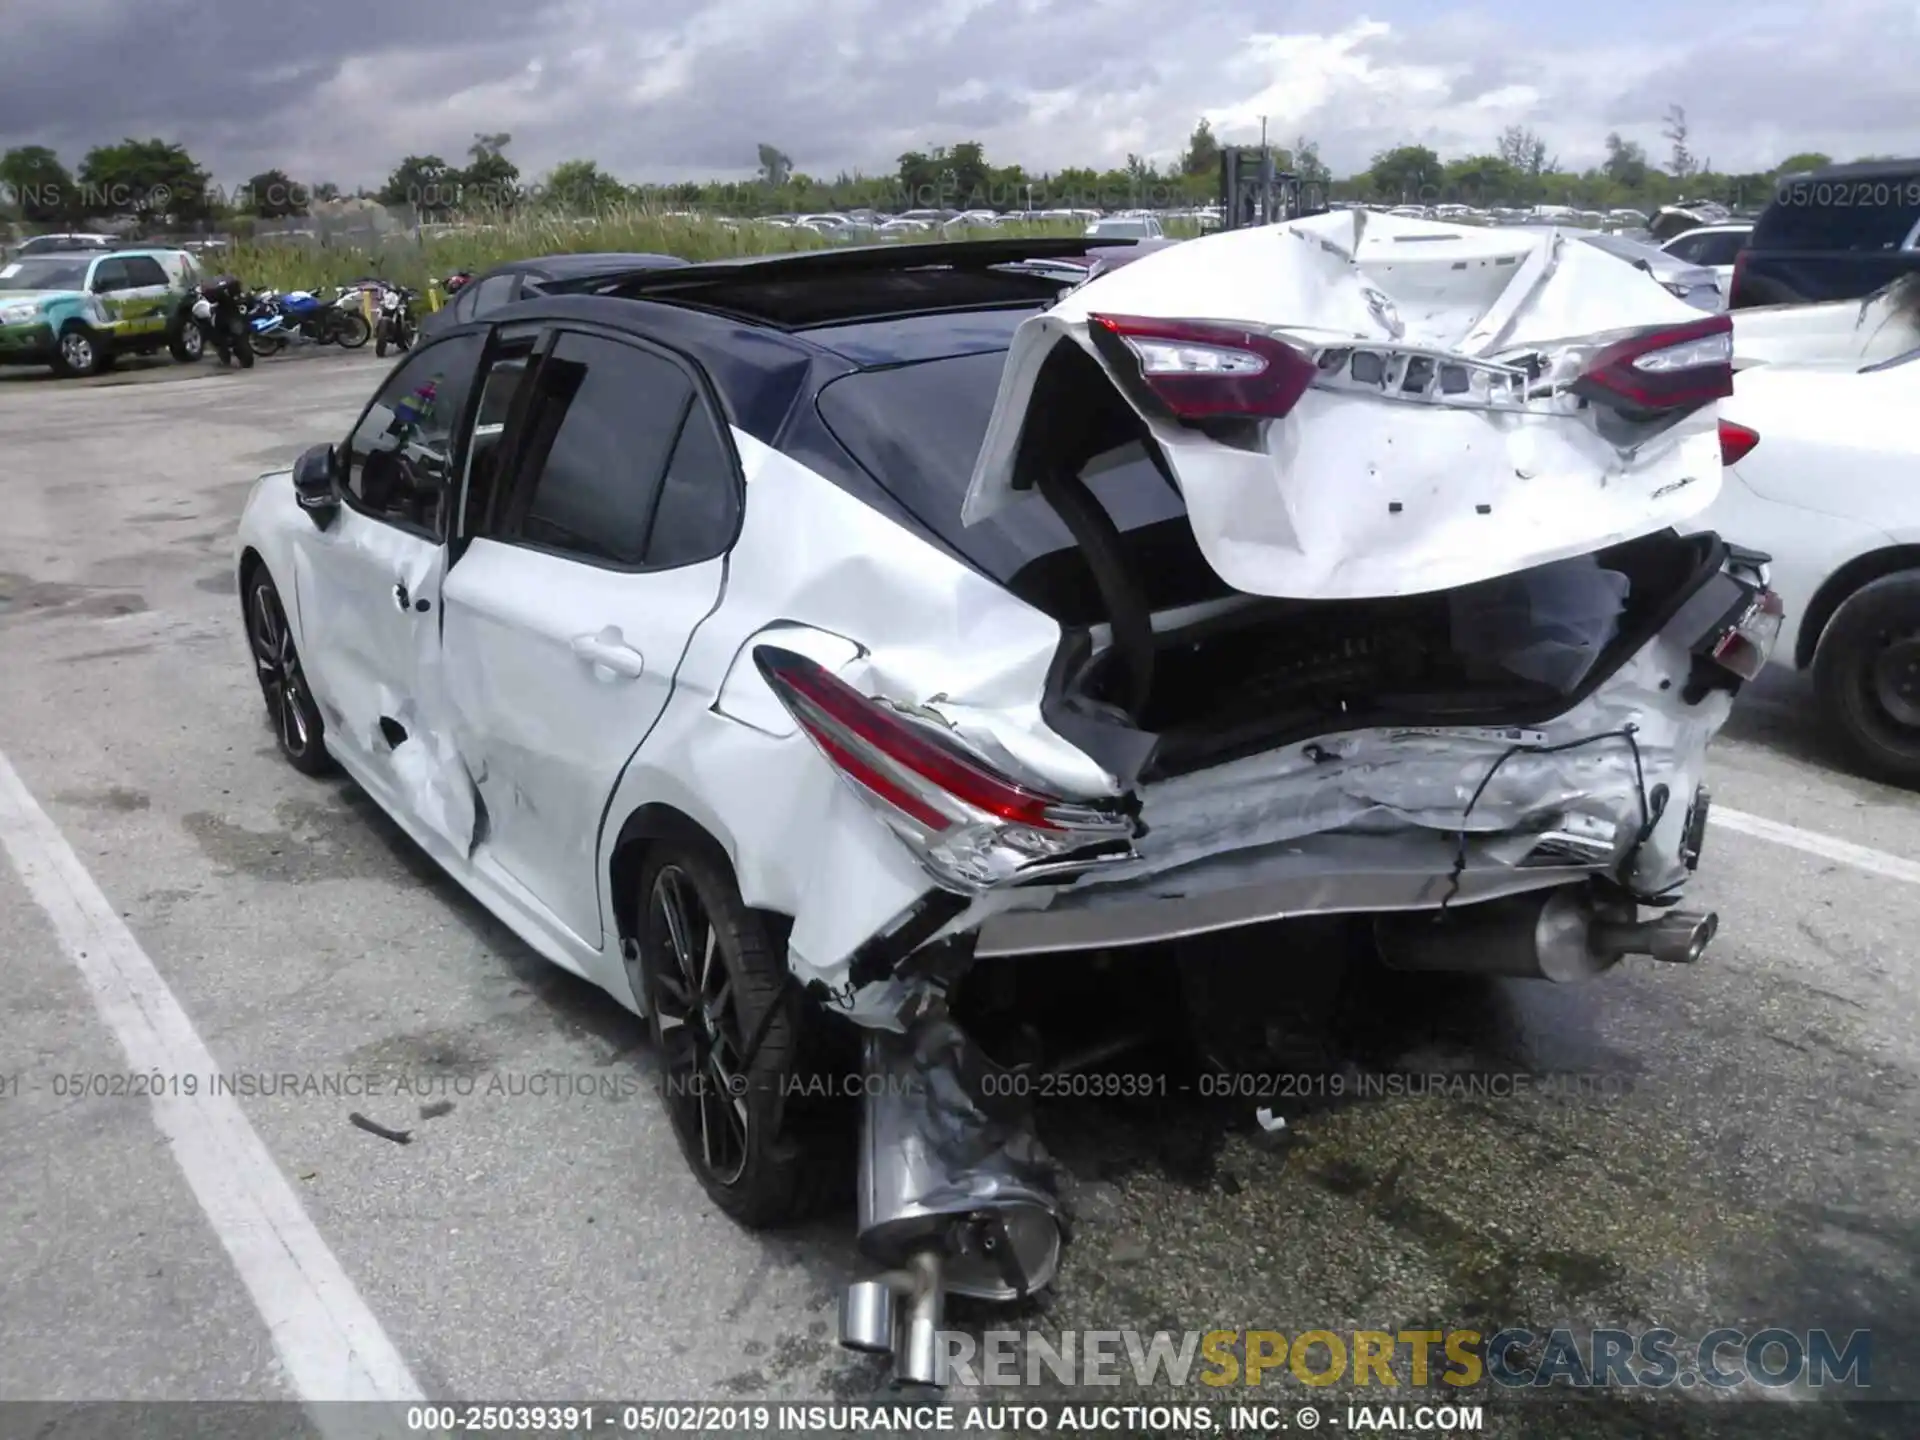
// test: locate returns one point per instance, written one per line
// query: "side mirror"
(316, 483)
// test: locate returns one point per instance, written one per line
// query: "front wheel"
(708, 974)
(78, 353)
(351, 331)
(1867, 675)
(297, 724)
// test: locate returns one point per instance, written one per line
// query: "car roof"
(1860, 170)
(767, 329)
(572, 265)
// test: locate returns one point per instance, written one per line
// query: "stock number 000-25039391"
(586, 1419)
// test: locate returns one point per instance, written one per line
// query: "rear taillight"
(1745, 644)
(1205, 370)
(970, 825)
(1673, 368)
(1736, 442)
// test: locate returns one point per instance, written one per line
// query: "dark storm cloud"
(663, 88)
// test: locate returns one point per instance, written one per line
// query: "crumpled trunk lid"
(1370, 490)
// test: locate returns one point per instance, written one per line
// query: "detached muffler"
(1562, 935)
(956, 1195)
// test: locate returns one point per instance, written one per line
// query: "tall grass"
(482, 242)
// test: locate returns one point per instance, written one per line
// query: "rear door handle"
(609, 651)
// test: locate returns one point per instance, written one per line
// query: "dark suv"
(1834, 234)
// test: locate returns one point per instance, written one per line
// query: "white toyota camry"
(785, 644)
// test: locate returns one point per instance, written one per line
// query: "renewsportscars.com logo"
(1511, 1358)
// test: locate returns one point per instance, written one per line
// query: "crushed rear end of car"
(1379, 614)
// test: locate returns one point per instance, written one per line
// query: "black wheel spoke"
(692, 999)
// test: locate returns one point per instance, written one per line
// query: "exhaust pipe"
(951, 1198)
(1678, 938)
(1561, 935)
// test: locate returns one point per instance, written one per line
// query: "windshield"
(45, 272)
(1134, 229)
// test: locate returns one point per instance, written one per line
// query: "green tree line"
(158, 182)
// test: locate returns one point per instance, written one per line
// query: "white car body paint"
(1879, 327)
(546, 701)
(1831, 480)
(1310, 512)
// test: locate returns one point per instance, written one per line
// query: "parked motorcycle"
(395, 325)
(266, 323)
(324, 322)
(220, 308)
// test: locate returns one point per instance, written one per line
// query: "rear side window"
(145, 270)
(492, 293)
(916, 429)
(628, 468)
(1862, 214)
(1721, 248)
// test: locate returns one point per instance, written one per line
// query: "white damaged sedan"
(786, 644)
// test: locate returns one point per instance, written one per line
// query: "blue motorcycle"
(300, 316)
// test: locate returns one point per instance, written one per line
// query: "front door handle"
(609, 651)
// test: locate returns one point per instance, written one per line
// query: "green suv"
(78, 311)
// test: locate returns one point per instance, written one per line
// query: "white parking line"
(1845, 852)
(329, 1341)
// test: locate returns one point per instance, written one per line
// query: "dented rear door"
(568, 611)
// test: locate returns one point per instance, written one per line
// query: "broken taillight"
(1745, 644)
(1672, 368)
(972, 826)
(1736, 442)
(1207, 370)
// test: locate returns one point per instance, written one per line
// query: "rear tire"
(1866, 673)
(351, 331)
(708, 973)
(266, 345)
(187, 342)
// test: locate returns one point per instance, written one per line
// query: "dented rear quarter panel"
(801, 841)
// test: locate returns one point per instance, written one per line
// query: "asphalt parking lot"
(1744, 1154)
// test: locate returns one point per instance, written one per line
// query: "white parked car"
(1714, 246)
(1822, 459)
(791, 646)
(1126, 227)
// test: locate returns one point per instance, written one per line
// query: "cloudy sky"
(686, 89)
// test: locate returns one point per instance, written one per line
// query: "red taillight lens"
(1736, 442)
(1677, 367)
(898, 761)
(1205, 370)
(1745, 645)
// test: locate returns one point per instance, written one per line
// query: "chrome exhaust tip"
(1677, 938)
(866, 1317)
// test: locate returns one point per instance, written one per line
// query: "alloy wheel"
(278, 666)
(77, 351)
(702, 1040)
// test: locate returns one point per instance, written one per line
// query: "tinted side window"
(607, 419)
(1721, 249)
(400, 459)
(145, 270)
(493, 293)
(1688, 248)
(110, 275)
(699, 499)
